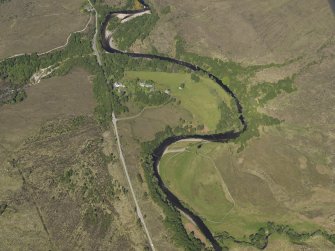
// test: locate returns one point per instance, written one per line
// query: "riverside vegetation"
(17, 72)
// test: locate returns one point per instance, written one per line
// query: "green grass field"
(200, 98)
(195, 180)
(227, 196)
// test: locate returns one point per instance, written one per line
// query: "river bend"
(158, 152)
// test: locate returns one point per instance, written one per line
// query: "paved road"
(94, 43)
(138, 209)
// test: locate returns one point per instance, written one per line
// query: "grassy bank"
(202, 97)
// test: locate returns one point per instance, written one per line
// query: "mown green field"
(200, 98)
(197, 182)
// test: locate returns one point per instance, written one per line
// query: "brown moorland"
(37, 26)
(289, 168)
(60, 184)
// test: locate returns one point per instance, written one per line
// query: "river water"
(158, 152)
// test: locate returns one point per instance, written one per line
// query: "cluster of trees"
(12, 95)
(229, 118)
(138, 28)
(145, 95)
(18, 70)
(297, 237)
(103, 8)
(114, 66)
(266, 91)
(153, 98)
(216, 66)
(108, 100)
(19, 95)
(260, 239)
(236, 77)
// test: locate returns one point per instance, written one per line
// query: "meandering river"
(158, 152)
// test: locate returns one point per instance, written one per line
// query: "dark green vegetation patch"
(139, 28)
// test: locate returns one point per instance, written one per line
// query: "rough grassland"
(287, 175)
(153, 120)
(54, 179)
(66, 186)
(234, 195)
(200, 98)
(247, 31)
(315, 243)
(37, 26)
(52, 98)
(132, 133)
